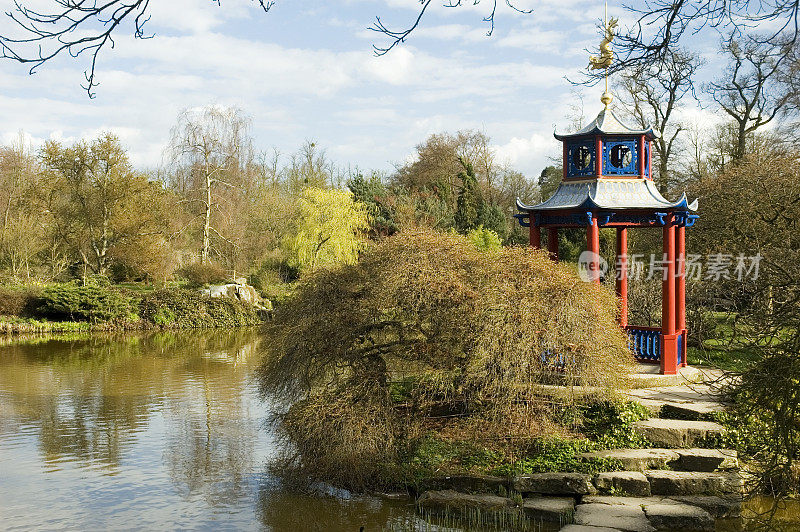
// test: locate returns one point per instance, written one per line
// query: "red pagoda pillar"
(593, 246)
(680, 289)
(669, 340)
(552, 242)
(622, 274)
(536, 235)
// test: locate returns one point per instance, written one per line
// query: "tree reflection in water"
(90, 398)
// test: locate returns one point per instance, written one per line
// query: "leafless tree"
(750, 91)
(396, 37)
(652, 95)
(75, 27)
(661, 24)
(207, 147)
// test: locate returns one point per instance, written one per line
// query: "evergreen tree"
(549, 180)
(373, 194)
(470, 200)
(491, 217)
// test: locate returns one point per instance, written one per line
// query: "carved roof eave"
(648, 199)
(607, 123)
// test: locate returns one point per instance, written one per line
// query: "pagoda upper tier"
(607, 167)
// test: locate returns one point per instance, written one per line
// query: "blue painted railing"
(553, 361)
(645, 343)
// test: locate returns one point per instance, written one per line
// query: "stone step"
(678, 459)
(640, 514)
(688, 401)
(623, 483)
(540, 509)
(676, 433)
(549, 509)
(446, 500)
(554, 484)
(705, 460)
(694, 483)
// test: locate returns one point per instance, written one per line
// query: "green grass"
(604, 425)
(729, 359)
(17, 325)
(724, 349)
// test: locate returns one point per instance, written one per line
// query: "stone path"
(676, 485)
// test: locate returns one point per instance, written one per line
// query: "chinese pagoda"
(607, 183)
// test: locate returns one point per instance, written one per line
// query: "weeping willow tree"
(331, 229)
(428, 333)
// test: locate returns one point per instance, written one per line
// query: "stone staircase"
(676, 485)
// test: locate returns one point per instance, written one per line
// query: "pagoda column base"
(669, 354)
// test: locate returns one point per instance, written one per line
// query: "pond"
(150, 431)
(159, 431)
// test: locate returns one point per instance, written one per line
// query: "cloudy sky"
(305, 71)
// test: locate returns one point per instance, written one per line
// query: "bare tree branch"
(75, 27)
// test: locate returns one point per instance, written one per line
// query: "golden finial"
(606, 56)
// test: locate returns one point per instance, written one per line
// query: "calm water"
(157, 431)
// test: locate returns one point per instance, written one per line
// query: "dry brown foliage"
(428, 331)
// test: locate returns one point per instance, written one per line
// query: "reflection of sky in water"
(158, 431)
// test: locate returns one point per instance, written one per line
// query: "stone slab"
(550, 509)
(675, 433)
(554, 484)
(718, 507)
(629, 518)
(693, 483)
(684, 517)
(696, 411)
(707, 460)
(685, 401)
(661, 512)
(637, 459)
(623, 482)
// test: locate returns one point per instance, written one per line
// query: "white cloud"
(306, 73)
(532, 152)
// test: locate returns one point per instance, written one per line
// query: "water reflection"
(160, 430)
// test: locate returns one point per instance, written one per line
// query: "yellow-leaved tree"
(331, 229)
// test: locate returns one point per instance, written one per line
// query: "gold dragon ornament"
(606, 56)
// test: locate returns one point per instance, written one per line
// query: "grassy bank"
(68, 307)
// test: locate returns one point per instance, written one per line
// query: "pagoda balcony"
(646, 343)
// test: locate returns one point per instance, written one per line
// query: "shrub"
(85, 303)
(190, 309)
(470, 327)
(199, 274)
(18, 301)
(485, 239)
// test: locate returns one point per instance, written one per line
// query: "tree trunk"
(207, 222)
(741, 142)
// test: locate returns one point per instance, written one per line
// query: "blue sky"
(305, 70)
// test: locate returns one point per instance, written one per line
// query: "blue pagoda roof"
(611, 194)
(607, 123)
